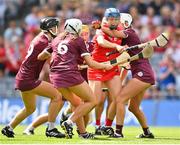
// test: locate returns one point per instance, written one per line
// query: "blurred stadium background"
(19, 23)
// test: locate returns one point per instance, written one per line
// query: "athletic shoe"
(87, 136)
(106, 130)
(63, 118)
(28, 132)
(68, 129)
(116, 135)
(54, 133)
(98, 130)
(146, 136)
(7, 132)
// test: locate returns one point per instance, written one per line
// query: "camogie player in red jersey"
(65, 74)
(142, 79)
(28, 83)
(104, 43)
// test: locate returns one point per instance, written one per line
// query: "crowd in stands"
(19, 23)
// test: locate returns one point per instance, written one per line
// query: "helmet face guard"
(54, 34)
(112, 13)
(126, 19)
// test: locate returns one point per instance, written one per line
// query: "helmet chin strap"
(113, 27)
(53, 34)
(126, 24)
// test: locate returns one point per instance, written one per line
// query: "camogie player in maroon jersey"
(44, 118)
(28, 83)
(142, 79)
(65, 74)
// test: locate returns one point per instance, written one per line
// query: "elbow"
(40, 57)
(101, 43)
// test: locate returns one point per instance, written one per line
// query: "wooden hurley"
(160, 41)
(124, 59)
(147, 52)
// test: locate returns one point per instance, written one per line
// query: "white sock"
(10, 127)
(51, 125)
(69, 121)
(97, 126)
(30, 128)
(65, 112)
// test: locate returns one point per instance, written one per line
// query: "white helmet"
(73, 26)
(126, 19)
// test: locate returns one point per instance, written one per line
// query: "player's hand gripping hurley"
(160, 41)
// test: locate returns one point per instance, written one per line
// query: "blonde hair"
(85, 28)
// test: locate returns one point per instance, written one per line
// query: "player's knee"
(94, 102)
(57, 98)
(130, 108)
(31, 110)
(133, 109)
(122, 98)
(119, 100)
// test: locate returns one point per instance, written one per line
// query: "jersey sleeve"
(48, 50)
(40, 44)
(82, 48)
(90, 46)
(127, 32)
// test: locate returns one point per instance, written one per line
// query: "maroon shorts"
(84, 74)
(142, 71)
(26, 85)
(66, 79)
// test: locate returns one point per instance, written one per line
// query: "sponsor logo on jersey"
(140, 74)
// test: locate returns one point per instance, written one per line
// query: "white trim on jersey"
(47, 52)
(84, 54)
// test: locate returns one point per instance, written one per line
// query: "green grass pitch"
(164, 135)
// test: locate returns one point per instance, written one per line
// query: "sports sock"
(69, 121)
(10, 127)
(98, 122)
(119, 129)
(78, 131)
(146, 131)
(51, 125)
(30, 128)
(108, 122)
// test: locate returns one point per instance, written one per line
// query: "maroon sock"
(119, 129)
(78, 131)
(108, 122)
(98, 122)
(146, 131)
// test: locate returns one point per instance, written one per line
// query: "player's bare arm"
(113, 33)
(104, 43)
(44, 55)
(93, 64)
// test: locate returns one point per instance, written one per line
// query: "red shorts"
(102, 75)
